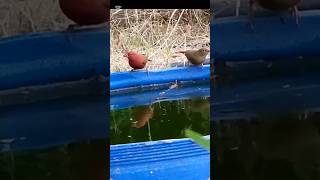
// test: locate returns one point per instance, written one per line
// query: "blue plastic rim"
(39, 59)
(246, 99)
(44, 58)
(126, 100)
(123, 80)
(289, 47)
(228, 7)
(271, 39)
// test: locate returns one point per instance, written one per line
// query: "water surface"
(62, 138)
(160, 120)
(266, 122)
(82, 160)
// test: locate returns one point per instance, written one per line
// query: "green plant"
(198, 138)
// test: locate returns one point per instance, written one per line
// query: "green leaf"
(198, 138)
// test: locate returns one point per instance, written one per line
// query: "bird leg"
(251, 14)
(295, 14)
(72, 27)
(147, 70)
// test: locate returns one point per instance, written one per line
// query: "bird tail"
(183, 52)
(174, 56)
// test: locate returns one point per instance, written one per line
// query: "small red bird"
(136, 60)
(86, 12)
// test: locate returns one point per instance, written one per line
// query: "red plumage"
(85, 12)
(136, 60)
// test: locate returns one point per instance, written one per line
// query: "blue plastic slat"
(167, 159)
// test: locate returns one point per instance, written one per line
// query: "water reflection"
(142, 115)
(267, 120)
(65, 138)
(278, 146)
(82, 160)
(160, 120)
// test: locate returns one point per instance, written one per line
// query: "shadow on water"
(266, 124)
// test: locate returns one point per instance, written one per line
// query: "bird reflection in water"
(200, 105)
(142, 115)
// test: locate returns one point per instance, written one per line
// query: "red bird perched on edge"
(136, 60)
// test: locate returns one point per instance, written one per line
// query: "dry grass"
(158, 34)
(24, 16)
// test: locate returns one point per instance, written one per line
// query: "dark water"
(83, 160)
(162, 120)
(269, 146)
(266, 122)
(64, 138)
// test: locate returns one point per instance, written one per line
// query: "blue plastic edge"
(121, 80)
(44, 58)
(51, 123)
(243, 100)
(126, 100)
(271, 39)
